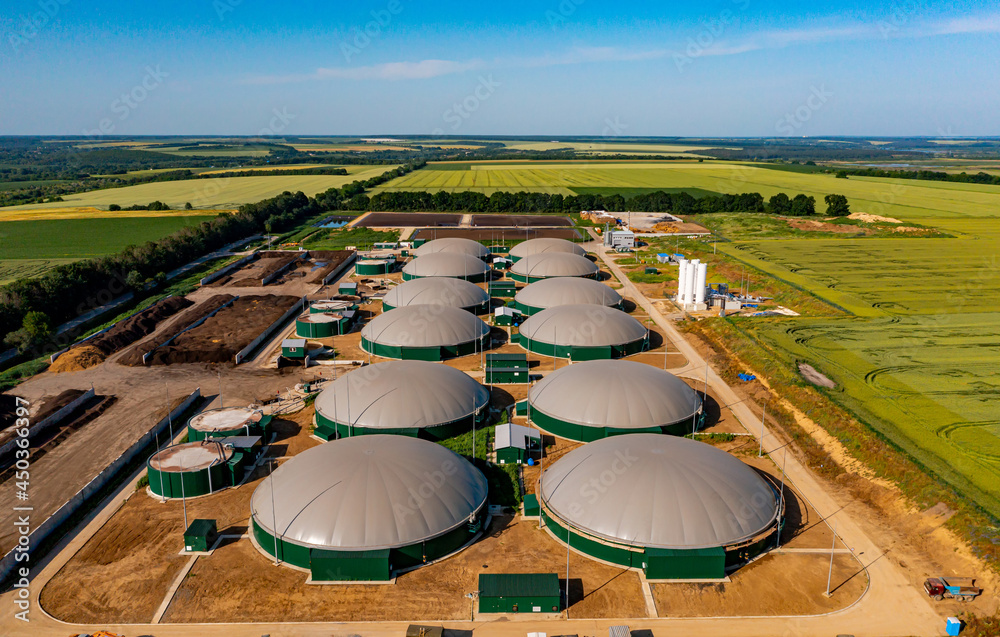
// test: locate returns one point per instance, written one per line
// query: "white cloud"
(391, 71)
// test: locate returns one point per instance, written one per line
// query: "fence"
(40, 533)
(170, 340)
(52, 419)
(221, 272)
(244, 353)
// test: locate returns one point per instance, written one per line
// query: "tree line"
(70, 290)
(680, 203)
(927, 175)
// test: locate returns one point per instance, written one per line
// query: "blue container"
(953, 626)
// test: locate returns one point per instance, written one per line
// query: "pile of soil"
(520, 221)
(266, 266)
(46, 409)
(218, 339)
(333, 259)
(408, 220)
(134, 357)
(120, 336)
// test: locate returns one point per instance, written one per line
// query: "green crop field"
(221, 192)
(918, 355)
(30, 248)
(911, 200)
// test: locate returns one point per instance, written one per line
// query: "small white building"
(620, 239)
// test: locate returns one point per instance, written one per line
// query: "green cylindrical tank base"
(585, 433)
(602, 352)
(433, 354)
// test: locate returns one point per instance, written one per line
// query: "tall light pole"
(274, 515)
(833, 548)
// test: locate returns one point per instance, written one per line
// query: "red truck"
(960, 588)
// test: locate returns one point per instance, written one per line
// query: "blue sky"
(569, 67)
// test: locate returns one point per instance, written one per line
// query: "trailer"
(960, 588)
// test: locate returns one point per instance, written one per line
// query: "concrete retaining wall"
(244, 353)
(274, 275)
(221, 272)
(145, 357)
(41, 532)
(349, 263)
(52, 419)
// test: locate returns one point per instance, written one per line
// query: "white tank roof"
(567, 291)
(425, 326)
(402, 395)
(543, 246)
(555, 264)
(437, 291)
(659, 491)
(614, 393)
(455, 245)
(583, 326)
(446, 264)
(369, 492)
(225, 419)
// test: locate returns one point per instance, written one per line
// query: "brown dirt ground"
(123, 334)
(133, 357)
(241, 583)
(520, 221)
(407, 220)
(508, 235)
(818, 226)
(776, 584)
(251, 274)
(219, 338)
(122, 574)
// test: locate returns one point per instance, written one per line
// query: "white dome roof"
(616, 394)
(425, 326)
(582, 326)
(455, 245)
(446, 264)
(402, 395)
(567, 291)
(437, 291)
(369, 493)
(555, 264)
(659, 491)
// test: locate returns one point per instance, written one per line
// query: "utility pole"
(170, 422)
(833, 548)
(183, 498)
(781, 494)
(274, 516)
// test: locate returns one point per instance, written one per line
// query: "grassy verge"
(740, 349)
(502, 480)
(337, 239)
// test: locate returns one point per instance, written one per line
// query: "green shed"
(200, 536)
(418, 242)
(506, 316)
(514, 444)
(519, 593)
(348, 287)
(350, 566)
(652, 271)
(502, 289)
(294, 348)
(666, 564)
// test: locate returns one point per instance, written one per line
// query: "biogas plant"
(400, 465)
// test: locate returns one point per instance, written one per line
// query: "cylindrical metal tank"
(681, 281)
(701, 283)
